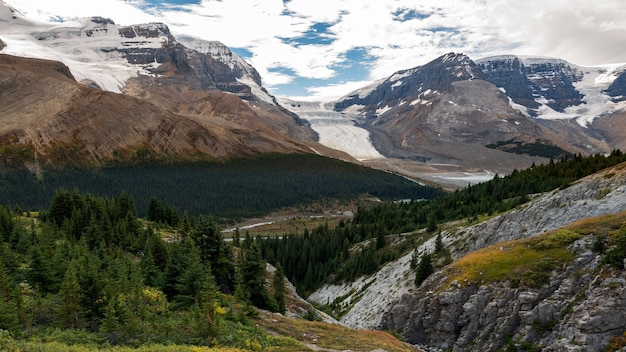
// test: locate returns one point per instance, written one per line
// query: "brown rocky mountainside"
(459, 123)
(42, 105)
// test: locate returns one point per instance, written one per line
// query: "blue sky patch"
(242, 52)
(318, 34)
(404, 14)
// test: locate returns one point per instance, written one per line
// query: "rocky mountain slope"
(134, 92)
(576, 306)
(43, 106)
(455, 111)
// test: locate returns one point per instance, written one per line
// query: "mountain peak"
(408, 85)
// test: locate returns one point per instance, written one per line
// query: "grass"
(322, 336)
(530, 261)
(8, 344)
(521, 262)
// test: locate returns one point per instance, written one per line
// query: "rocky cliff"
(531, 81)
(565, 302)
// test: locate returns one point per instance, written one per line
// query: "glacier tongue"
(336, 130)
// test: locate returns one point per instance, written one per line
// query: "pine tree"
(177, 263)
(9, 317)
(424, 269)
(209, 309)
(110, 323)
(69, 309)
(207, 236)
(279, 289)
(431, 222)
(185, 226)
(438, 243)
(149, 271)
(191, 283)
(414, 259)
(236, 238)
(253, 278)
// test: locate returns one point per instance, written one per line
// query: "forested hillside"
(228, 189)
(86, 274)
(88, 266)
(327, 254)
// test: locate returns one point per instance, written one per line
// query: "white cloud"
(122, 12)
(583, 32)
(331, 91)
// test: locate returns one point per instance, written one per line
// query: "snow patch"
(382, 110)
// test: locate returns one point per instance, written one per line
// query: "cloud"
(295, 41)
(122, 12)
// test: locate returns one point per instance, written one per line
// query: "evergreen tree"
(236, 238)
(279, 289)
(110, 323)
(209, 309)
(149, 271)
(432, 222)
(414, 259)
(424, 269)
(191, 283)
(69, 309)
(438, 243)
(207, 236)
(185, 226)
(177, 263)
(253, 273)
(9, 317)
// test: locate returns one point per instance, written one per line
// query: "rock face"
(579, 310)
(532, 80)
(617, 89)
(575, 312)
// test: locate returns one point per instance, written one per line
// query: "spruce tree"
(438, 243)
(424, 269)
(253, 278)
(149, 271)
(279, 289)
(69, 309)
(9, 317)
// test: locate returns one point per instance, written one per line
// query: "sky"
(324, 49)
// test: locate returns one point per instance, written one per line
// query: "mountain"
(544, 87)
(497, 111)
(134, 91)
(65, 121)
(534, 277)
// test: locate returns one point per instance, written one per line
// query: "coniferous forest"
(229, 189)
(324, 254)
(86, 269)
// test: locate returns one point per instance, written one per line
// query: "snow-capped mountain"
(412, 85)
(92, 90)
(107, 55)
(458, 111)
(556, 89)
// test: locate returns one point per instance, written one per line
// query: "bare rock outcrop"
(577, 311)
(580, 308)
